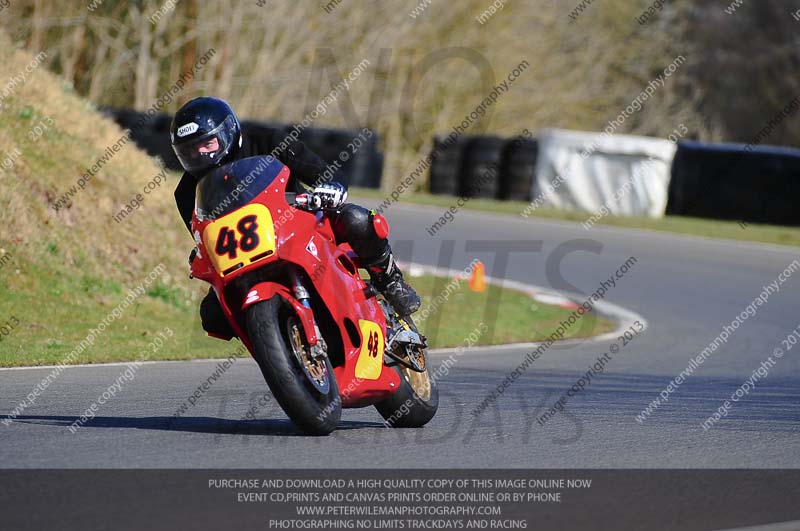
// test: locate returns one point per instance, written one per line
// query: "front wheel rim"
(314, 369)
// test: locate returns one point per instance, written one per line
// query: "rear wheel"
(415, 403)
(303, 385)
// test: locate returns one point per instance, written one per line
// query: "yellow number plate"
(240, 238)
(370, 359)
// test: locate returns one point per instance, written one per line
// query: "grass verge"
(54, 313)
(510, 316)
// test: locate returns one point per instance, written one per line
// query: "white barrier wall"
(609, 174)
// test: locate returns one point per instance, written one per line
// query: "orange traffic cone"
(477, 279)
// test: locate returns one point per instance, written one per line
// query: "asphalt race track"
(686, 289)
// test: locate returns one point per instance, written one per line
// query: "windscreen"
(234, 185)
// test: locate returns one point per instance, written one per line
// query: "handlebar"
(308, 201)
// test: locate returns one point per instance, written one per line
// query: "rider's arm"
(305, 165)
(184, 198)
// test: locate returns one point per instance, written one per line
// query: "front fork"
(301, 294)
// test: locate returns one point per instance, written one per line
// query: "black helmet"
(204, 133)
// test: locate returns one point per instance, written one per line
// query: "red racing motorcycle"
(321, 334)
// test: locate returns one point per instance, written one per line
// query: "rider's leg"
(353, 224)
(213, 318)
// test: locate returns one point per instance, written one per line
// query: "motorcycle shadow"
(210, 425)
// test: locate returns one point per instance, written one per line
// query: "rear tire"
(314, 412)
(416, 401)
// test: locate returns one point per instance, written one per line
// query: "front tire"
(276, 335)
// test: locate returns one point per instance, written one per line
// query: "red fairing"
(306, 240)
(264, 291)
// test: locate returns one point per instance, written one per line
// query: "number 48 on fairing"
(226, 239)
(242, 237)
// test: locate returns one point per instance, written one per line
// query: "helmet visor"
(200, 154)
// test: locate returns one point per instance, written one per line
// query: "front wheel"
(303, 385)
(416, 401)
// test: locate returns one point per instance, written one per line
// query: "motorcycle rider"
(205, 134)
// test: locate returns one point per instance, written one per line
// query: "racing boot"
(388, 279)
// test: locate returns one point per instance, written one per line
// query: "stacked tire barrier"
(360, 159)
(760, 185)
(480, 175)
(518, 169)
(445, 172)
(355, 156)
(150, 134)
(484, 166)
(717, 181)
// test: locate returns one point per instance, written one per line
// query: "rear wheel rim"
(420, 382)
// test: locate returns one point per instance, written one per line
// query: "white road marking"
(625, 318)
